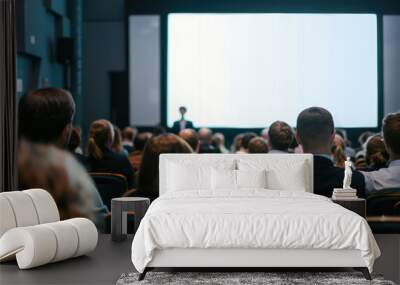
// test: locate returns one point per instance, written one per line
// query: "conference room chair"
(383, 211)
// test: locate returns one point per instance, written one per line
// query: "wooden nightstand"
(358, 205)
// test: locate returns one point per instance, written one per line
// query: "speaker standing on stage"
(182, 123)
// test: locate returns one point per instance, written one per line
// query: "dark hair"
(129, 133)
(247, 138)
(182, 108)
(191, 137)
(314, 127)
(100, 134)
(376, 154)
(391, 132)
(141, 140)
(280, 135)
(258, 145)
(75, 139)
(148, 172)
(44, 113)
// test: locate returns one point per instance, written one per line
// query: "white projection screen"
(248, 70)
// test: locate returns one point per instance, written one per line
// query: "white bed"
(247, 211)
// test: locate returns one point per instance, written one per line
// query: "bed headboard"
(296, 168)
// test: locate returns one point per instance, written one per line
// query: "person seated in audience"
(316, 132)
(245, 142)
(362, 140)
(136, 156)
(159, 130)
(182, 123)
(192, 138)
(74, 145)
(348, 150)
(205, 137)
(337, 150)
(45, 122)
(258, 145)
(237, 143)
(148, 173)
(129, 135)
(377, 156)
(117, 144)
(218, 141)
(387, 177)
(264, 134)
(280, 137)
(101, 158)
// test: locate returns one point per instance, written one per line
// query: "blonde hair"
(100, 135)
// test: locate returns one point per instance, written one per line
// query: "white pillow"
(223, 179)
(278, 180)
(251, 178)
(182, 177)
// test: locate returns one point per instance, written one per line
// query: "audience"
(387, 177)
(182, 123)
(101, 158)
(45, 123)
(280, 137)
(258, 145)
(149, 173)
(45, 130)
(337, 150)
(74, 145)
(245, 142)
(192, 138)
(205, 137)
(237, 143)
(218, 141)
(129, 135)
(376, 156)
(117, 143)
(316, 132)
(136, 156)
(264, 134)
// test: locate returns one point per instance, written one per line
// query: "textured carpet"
(228, 278)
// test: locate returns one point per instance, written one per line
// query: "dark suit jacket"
(327, 177)
(176, 128)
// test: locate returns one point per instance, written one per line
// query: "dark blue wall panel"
(41, 24)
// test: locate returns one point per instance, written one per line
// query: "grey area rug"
(225, 278)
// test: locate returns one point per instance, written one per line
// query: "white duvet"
(250, 219)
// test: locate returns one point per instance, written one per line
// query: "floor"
(95, 268)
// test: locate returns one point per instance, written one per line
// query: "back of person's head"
(258, 145)
(376, 155)
(117, 142)
(280, 136)
(45, 116)
(362, 139)
(218, 139)
(158, 130)
(315, 130)
(264, 134)
(75, 139)
(337, 149)
(205, 136)
(101, 136)
(156, 145)
(191, 137)
(237, 143)
(141, 140)
(391, 134)
(246, 139)
(129, 133)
